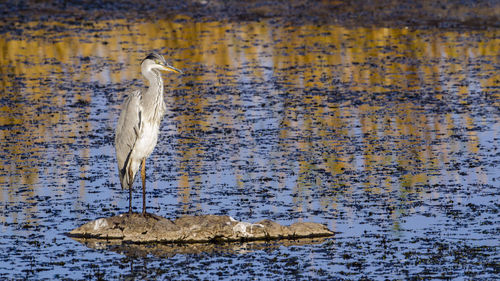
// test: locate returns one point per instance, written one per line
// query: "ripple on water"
(387, 135)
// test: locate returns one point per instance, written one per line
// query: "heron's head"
(155, 61)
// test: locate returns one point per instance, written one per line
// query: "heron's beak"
(171, 68)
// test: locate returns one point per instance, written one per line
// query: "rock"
(137, 228)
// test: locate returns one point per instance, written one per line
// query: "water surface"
(389, 136)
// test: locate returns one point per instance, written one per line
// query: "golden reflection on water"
(39, 73)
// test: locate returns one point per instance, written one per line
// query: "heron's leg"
(143, 176)
(131, 182)
(130, 200)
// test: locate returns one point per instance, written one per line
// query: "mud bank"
(150, 228)
(421, 14)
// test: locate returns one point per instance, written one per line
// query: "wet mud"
(150, 228)
(421, 14)
(387, 131)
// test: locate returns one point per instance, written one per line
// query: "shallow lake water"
(389, 136)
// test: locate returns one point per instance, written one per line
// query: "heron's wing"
(127, 132)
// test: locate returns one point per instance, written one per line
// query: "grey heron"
(139, 124)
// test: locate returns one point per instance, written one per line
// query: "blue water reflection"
(387, 136)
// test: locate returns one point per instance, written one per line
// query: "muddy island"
(136, 228)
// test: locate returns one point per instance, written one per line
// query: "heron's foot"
(149, 215)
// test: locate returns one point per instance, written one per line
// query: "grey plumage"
(127, 131)
(139, 122)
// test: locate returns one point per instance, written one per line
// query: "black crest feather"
(156, 57)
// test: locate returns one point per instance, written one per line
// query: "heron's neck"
(155, 83)
(153, 98)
